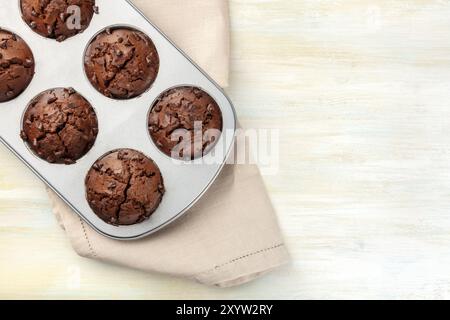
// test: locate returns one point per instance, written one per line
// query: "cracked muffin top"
(121, 63)
(16, 65)
(124, 187)
(185, 123)
(58, 19)
(60, 126)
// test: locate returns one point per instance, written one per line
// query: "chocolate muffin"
(60, 126)
(185, 123)
(121, 63)
(16, 65)
(124, 187)
(58, 19)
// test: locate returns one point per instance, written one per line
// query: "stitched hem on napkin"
(245, 268)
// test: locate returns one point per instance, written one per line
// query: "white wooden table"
(361, 92)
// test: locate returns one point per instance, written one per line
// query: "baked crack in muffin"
(124, 187)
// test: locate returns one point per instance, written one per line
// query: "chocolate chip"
(108, 31)
(61, 38)
(10, 93)
(136, 157)
(68, 161)
(28, 63)
(107, 93)
(71, 91)
(16, 60)
(198, 93)
(33, 25)
(96, 10)
(140, 37)
(23, 135)
(51, 100)
(112, 185)
(1, 55)
(51, 159)
(49, 30)
(154, 119)
(94, 78)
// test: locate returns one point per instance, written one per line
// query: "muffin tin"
(122, 123)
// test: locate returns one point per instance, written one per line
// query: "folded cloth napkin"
(231, 236)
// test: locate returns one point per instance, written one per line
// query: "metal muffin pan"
(122, 123)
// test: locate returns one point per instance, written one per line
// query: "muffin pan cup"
(122, 123)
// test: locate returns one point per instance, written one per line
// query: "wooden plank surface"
(361, 92)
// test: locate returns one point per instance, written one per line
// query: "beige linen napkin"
(231, 235)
